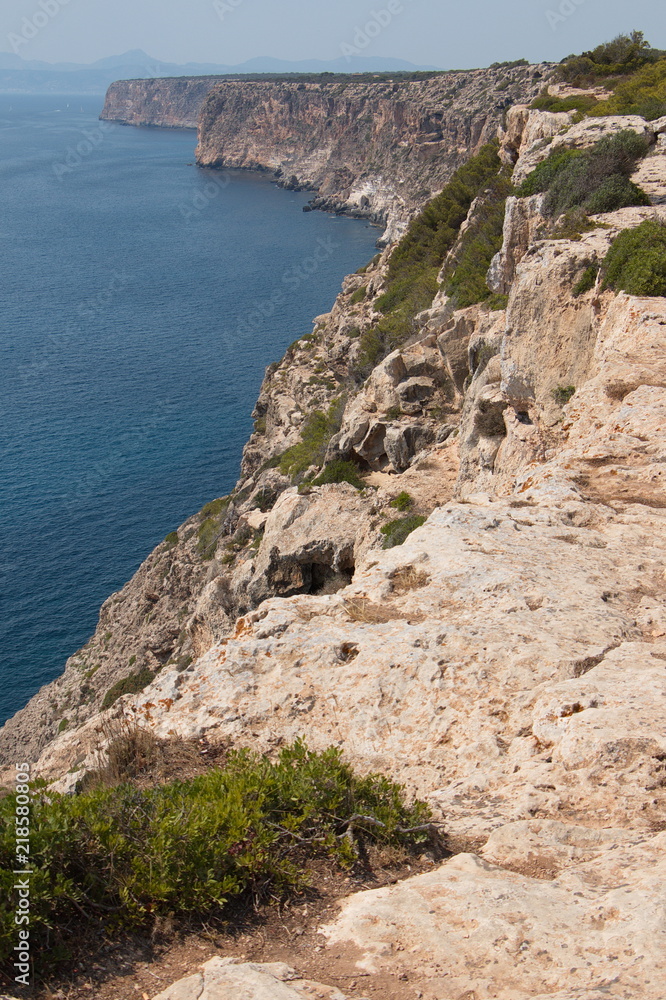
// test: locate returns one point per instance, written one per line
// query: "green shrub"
(636, 261)
(594, 180)
(624, 55)
(643, 94)
(212, 528)
(172, 539)
(584, 103)
(359, 295)
(465, 277)
(563, 394)
(265, 499)
(133, 684)
(587, 282)
(411, 281)
(339, 471)
(404, 501)
(215, 507)
(397, 531)
(318, 429)
(62, 725)
(123, 856)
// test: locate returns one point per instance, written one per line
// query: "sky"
(445, 33)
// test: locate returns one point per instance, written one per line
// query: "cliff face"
(377, 149)
(170, 103)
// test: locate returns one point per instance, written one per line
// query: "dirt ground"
(139, 969)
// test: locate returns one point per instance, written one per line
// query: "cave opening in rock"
(326, 579)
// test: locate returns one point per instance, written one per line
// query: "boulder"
(225, 979)
(471, 924)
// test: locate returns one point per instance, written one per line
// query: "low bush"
(636, 261)
(396, 532)
(563, 394)
(318, 429)
(172, 539)
(643, 94)
(403, 501)
(133, 684)
(339, 471)
(624, 55)
(587, 282)
(359, 295)
(465, 277)
(595, 180)
(584, 103)
(124, 856)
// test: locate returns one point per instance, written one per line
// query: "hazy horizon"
(230, 32)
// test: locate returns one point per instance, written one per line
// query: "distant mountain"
(34, 77)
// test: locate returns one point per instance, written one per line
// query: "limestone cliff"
(378, 149)
(170, 103)
(375, 148)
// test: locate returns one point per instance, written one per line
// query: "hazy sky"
(443, 33)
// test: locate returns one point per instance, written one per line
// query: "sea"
(141, 299)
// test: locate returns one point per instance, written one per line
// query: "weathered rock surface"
(597, 930)
(507, 662)
(223, 979)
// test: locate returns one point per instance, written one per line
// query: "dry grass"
(128, 752)
(362, 609)
(406, 578)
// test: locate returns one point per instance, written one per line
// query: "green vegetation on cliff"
(412, 279)
(121, 857)
(593, 180)
(636, 261)
(628, 66)
(318, 429)
(619, 58)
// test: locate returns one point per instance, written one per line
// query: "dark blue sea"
(141, 300)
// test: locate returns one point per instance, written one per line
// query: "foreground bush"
(339, 471)
(595, 180)
(125, 856)
(636, 261)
